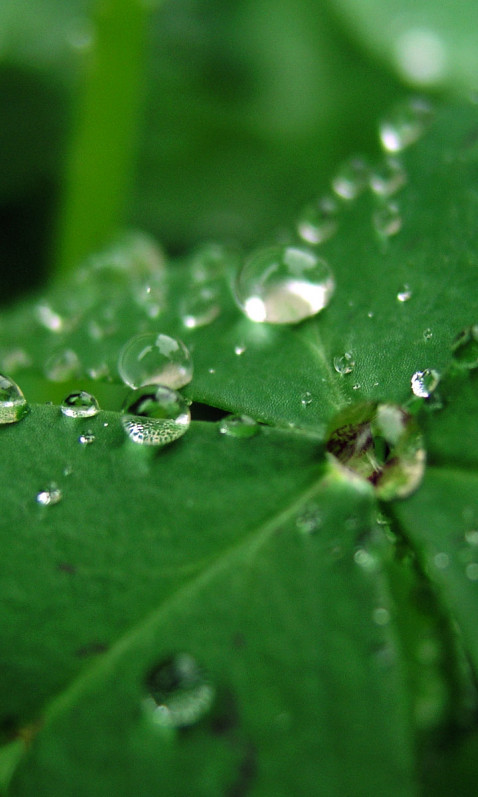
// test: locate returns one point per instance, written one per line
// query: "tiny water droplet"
(423, 383)
(15, 360)
(351, 178)
(381, 443)
(50, 496)
(211, 370)
(13, 404)
(381, 616)
(388, 177)
(357, 386)
(62, 366)
(179, 692)
(240, 349)
(465, 348)
(239, 426)
(306, 399)
(405, 124)
(427, 334)
(441, 560)
(284, 285)
(155, 415)
(471, 571)
(80, 405)
(387, 220)
(345, 363)
(471, 537)
(151, 359)
(366, 560)
(67, 470)
(209, 262)
(86, 438)
(318, 221)
(201, 306)
(48, 318)
(405, 294)
(309, 520)
(370, 314)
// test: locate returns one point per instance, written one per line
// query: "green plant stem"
(103, 144)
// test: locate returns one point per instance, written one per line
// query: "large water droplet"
(151, 359)
(284, 285)
(201, 306)
(423, 383)
(388, 177)
(179, 692)
(318, 221)
(50, 496)
(387, 219)
(155, 415)
(80, 405)
(351, 178)
(344, 364)
(380, 443)
(465, 348)
(62, 366)
(13, 404)
(239, 426)
(405, 124)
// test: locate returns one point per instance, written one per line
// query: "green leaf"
(427, 43)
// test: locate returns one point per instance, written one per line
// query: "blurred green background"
(247, 108)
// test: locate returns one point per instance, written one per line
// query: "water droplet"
(155, 415)
(351, 178)
(240, 349)
(381, 616)
(318, 221)
(381, 443)
(405, 294)
(423, 383)
(405, 124)
(471, 571)
(420, 56)
(48, 318)
(309, 520)
(62, 366)
(284, 285)
(86, 438)
(179, 692)
(388, 177)
(427, 334)
(465, 348)
(239, 426)
(344, 364)
(208, 262)
(50, 496)
(151, 359)
(80, 405)
(387, 220)
(13, 404)
(201, 306)
(306, 399)
(471, 537)
(441, 560)
(14, 360)
(357, 386)
(366, 560)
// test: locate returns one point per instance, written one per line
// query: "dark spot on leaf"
(238, 640)
(65, 567)
(92, 649)
(246, 773)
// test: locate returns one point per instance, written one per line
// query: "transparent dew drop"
(465, 348)
(405, 294)
(388, 177)
(427, 334)
(201, 306)
(13, 404)
(238, 426)
(423, 383)
(387, 220)
(381, 443)
(306, 398)
(471, 537)
(48, 318)
(309, 520)
(239, 349)
(209, 262)
(179, 692)
(80, 405)
(87, 438)
(405, 124)
(62, 366)
(50, 496)
(318, 221)
(15, 360)
(351, 178)
(284, 285)
(155, 415)
(345, 363)
(151, 359)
